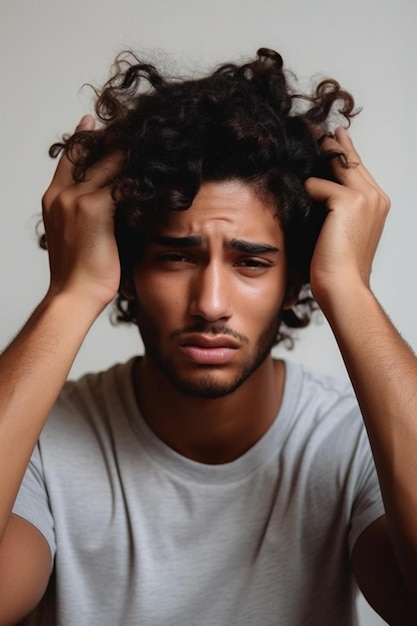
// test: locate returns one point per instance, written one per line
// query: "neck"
(211, 431)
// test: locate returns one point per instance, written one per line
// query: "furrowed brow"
(252, 247)
(178, 242)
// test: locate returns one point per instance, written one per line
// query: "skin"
(383, 371)
(208, 315)
(85, 275)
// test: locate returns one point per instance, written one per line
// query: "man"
(206, 482)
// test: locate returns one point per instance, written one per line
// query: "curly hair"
(243, 122)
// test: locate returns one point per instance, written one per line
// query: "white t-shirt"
(143, 536)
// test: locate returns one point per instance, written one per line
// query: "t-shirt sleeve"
(367, 504)
(32, 502)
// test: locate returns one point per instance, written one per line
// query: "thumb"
(322, 190)
(87, 122)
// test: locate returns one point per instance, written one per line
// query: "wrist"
(81, 300)
(344, 298)
(72, 310)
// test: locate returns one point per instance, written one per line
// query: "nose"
(211, 293)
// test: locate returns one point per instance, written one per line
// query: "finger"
(63, 173)
(344, 138)
(101, 175)
(328, 192)
(98, 207)
(340, 197)
(103, 172)
(348, 172)
(355, 176)
(87, 122)
(89, 210)
(341, 141)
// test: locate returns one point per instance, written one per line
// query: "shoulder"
(90, 409)
(320, 399)
(327, 438)
(324, 425)
(98, 384)
(299, 373)
(95, 391)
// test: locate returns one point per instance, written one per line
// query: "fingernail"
(84, 121)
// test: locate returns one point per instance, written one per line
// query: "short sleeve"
(32, 502)
(367, 505)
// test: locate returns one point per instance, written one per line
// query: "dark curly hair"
(243, 122)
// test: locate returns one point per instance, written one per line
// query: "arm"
(85, 276)
(383, 371)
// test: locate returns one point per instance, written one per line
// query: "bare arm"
(25, 561)
(381, 366)
(84, 278)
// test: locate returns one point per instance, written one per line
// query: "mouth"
(209, 350)
(209, 341)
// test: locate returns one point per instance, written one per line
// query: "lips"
(209, 341)
(209, 350)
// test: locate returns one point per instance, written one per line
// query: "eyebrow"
(189, 241)
(252, 247)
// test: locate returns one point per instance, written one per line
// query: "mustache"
(215, 328)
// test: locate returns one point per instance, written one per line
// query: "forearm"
(383, 371)
(33, 370)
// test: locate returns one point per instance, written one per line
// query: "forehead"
(227, 209)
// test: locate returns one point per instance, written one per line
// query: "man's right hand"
(79, 227)
(85, 275)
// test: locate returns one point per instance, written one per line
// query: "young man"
(206, 482)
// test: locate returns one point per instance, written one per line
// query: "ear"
(292, 292)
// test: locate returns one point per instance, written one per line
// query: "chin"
(209, 384)
(205, 388)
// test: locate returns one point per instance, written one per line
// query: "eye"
(173, 258)
(253, 263)
(253, 266)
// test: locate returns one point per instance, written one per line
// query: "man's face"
(210, 288)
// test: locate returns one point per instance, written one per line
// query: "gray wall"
(49, 48)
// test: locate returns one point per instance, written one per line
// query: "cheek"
(157, 299)
(264, 309)
(260, 306)
(265, 294)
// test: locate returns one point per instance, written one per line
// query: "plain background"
(49, 48)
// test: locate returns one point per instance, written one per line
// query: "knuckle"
(374, 197)
(47, 199)
(84, 204)
(354, 160)
(371, 199)
(64, 199)
(359, 198)
(81, 203)
(380, 201)
(386, 201)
